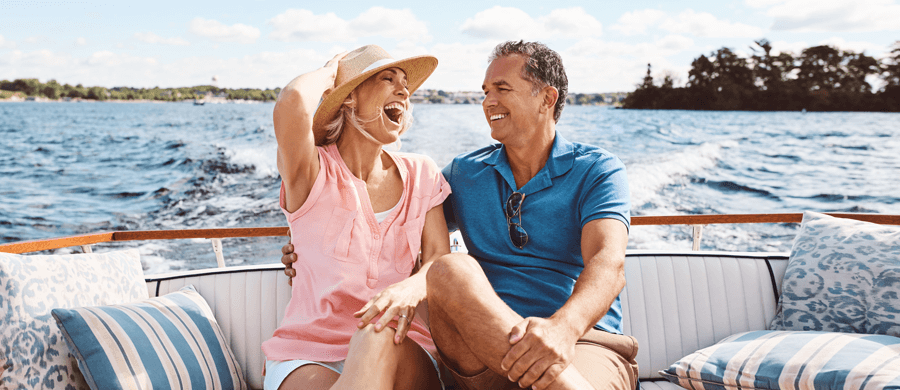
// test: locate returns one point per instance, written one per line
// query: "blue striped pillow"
(792, 360)
(168, 342)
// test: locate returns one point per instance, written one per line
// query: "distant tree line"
(54, 90)
(820, 78)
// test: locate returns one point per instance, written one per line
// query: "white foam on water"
(153, 261)
(646, 178)
(262, 156)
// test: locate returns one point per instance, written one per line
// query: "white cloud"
(37, 39)
(299, 25)
(461, 66)
(831, 15)
(636, 22)
(6, 44)
(36, 59)
(110, 60)
(871, 49)
(595, 65)
(700, 24)
(500, 23)
(151, 38)
(762, 3)
(571, 22)
(240, 33)
(508, 23)
(399, 24)
(704, 24)
(109, 69)
(795, 48)
(666, 46)
(80, 41)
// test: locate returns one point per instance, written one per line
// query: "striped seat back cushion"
(792, 360)
(168, 342)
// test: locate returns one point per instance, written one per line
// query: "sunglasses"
(513, 208)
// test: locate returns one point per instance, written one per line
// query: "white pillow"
(843, 276)
(30, 286)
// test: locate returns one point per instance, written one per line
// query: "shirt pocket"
(339, 235)
(408, 241)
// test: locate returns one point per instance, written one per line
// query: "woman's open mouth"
(394, 112)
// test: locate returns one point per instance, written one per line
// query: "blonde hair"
(347, 116)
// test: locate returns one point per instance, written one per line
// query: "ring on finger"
(403, 317)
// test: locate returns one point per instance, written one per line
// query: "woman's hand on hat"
(333, 62)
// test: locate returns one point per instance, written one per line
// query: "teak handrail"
(217, 234)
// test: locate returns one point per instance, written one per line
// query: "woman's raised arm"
(298, 162)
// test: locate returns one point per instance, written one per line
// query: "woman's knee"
(310, 376)
(369, 336)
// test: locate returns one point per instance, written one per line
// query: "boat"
(674, 302)
(199, 102)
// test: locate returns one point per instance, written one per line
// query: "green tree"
(52, 90)
(819, 68)
(891, 74)
(30, 87)
(858, 67)
(97, 93)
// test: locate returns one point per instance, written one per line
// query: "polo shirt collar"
(561, 160)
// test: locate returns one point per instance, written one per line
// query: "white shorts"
(277, 371)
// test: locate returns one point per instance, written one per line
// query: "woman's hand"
(399, 299)
(332, 67)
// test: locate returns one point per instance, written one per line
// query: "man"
(535, 303)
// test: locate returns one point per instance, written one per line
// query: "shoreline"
(128, 101)
(228, 101)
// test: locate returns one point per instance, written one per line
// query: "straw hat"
(356, 67)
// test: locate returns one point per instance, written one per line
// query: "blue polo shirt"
(578, 184)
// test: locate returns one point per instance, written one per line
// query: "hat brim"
(417, 70)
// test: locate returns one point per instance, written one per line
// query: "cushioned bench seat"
(673, 303)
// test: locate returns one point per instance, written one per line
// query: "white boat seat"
(673, 303)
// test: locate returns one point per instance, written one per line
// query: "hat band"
(376, 64)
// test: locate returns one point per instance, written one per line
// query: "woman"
(358, 217)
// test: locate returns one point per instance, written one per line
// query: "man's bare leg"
(471, 324)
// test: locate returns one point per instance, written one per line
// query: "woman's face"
(382, 104)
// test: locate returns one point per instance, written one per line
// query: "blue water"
(75, 168)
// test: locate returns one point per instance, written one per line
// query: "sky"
(605, 45)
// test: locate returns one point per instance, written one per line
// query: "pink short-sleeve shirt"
(345, 257)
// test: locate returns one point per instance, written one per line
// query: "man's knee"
(451, 269)
(605, 368)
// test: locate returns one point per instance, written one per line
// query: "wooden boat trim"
(708, 219)
(138, 235)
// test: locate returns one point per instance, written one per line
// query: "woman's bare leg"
(310, 376)
(375, 362)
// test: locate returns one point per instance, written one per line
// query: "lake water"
(75, 168)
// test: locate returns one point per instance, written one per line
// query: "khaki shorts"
(606, 360)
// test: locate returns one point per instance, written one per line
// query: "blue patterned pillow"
(30, 286)
(769, 359)
(843, 276)
(168, 342)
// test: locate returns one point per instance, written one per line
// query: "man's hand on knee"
(541, 350)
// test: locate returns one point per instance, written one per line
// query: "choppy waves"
(89, 167)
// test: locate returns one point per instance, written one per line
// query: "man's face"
(509, 106)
